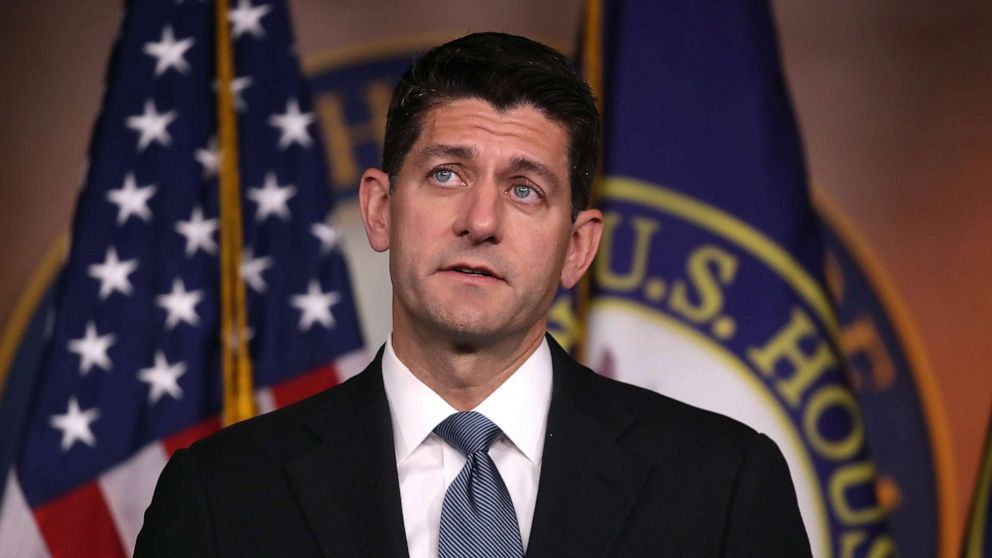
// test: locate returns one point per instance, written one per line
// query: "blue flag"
(708, 285)
(131, 366)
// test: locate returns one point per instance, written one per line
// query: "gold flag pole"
(592, 69)
(238, 401)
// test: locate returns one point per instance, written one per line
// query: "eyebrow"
(526, 165)
(443, 150)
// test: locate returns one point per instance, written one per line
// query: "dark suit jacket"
(626, 472)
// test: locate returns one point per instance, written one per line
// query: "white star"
(75, 425)
(92, 349)
(162, 378)
(198, 232)
(326, 234)
(315, 306)
(209, 158)
(131, 199)
(293, 125)
(252, 268)
(247, 19)
(112, 274)
(169, 53)
(271, 198)
(238, 85)
(180, 304)
(152, 125)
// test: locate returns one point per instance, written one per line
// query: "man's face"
(478, 224)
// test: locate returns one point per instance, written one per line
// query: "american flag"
(132, 364)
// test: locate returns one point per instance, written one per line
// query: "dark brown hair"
(506, 71)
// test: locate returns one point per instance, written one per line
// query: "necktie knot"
(468, 432)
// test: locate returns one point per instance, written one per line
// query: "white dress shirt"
(427, 465)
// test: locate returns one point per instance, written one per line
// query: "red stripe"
(305, 385)
(79, 524)
(186, 437)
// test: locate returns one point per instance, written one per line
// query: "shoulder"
(732, 484)
(222, 494)
(642, 415)
(656, 416)
(281, 434)
(692, 443)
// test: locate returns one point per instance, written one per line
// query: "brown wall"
(894, 104)
(893, 98)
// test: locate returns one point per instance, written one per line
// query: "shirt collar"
(519, 407)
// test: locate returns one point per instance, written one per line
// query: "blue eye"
(522, 191)
(443, 175)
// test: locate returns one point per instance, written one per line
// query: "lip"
(472, 271)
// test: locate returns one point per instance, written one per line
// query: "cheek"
(545, 261)
(410, 244)
(418, 218)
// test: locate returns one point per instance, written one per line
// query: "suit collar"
(347, 486)
(519, 406)
(588, 483)
(349, 491)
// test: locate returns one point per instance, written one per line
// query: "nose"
(480, 217)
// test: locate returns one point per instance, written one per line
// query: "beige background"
(894, 99)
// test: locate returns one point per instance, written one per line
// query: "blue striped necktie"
(477, 517)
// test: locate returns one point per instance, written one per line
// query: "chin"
(471, 329)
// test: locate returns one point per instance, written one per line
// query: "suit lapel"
(349, 492)
(347, 487)
(588, 485)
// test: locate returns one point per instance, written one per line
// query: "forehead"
(486, 132)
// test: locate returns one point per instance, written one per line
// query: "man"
(489, 155)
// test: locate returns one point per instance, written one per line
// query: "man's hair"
(508, 72)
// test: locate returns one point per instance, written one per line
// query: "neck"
(463, 373)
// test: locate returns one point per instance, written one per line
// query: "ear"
(586, 232)
(373, 200)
